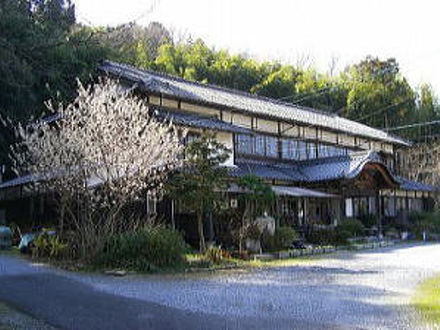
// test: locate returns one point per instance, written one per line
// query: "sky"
(291, 31)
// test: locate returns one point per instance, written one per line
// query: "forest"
(44, 50)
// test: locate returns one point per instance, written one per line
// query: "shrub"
(368, 220)
(282, 239)
(144, 250)
(322, 236)
(49, 246)
(253, 232)
(329, 236)
(424, 221)
(392, 232)
(341, 237)
(352, 226)
(216, 255)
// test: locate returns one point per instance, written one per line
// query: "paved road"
(366, 290)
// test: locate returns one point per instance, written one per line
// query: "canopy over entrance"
(300, 192)
(284, 191)
(321, 170)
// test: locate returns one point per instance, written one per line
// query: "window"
(271, 146)
(323, 150)
(244, 144)
(260, 145)
(289, 149)
(302, 150)
(311, 150)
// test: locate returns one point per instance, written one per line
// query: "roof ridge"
(223, 88)
(288, 107)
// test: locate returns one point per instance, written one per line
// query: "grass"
(279, 262)
(427, 300)
(196, 261)
(13, 251)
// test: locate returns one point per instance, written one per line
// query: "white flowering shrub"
(103, 152)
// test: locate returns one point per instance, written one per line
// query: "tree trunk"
(202, 243)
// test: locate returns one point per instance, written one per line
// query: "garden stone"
(115, 272)
(253, 245)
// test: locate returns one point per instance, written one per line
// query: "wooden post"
(378, 213)
(173, 221)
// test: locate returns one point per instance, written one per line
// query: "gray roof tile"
(191, 120)
(210, 94)
(407, 184)
(324, 169)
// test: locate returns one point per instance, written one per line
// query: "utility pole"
(2, 171)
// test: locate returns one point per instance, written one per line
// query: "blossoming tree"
(103, 151)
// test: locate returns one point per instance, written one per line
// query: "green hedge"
(424, 221)
(352, 226)
(347, 228)
(282, 239)
(144, 250)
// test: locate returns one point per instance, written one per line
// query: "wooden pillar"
(173, 220)
(394, 203)
(378, 213)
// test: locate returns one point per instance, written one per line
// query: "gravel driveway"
(347, 290)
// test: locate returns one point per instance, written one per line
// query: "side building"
(321, 166)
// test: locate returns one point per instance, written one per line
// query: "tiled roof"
(266, 171)
(340, 167)
(180, 118)
(300, 192)
(191, 120)
(407, 184)
(324, 169)
(209, 94)
(18, 181)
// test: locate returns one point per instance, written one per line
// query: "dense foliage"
(42, 52)
(338, 235)
(144, 250)
(428, 222)
(352, 226)
(49, 246)
(283, 238)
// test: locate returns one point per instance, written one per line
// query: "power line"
(150, 10)
(427, 123)
(382, 109)
(293, 95)
(310, 96)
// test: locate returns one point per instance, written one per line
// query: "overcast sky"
(287, 30)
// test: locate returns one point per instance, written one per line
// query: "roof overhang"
(279, 190)
(175, 87)
(300, 192)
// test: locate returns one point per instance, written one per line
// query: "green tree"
(378, 95)
(42, 52)
(257, 197)
(134, 44)
(281, 83)
(199, 183)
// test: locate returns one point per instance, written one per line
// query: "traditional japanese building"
(321, 166)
